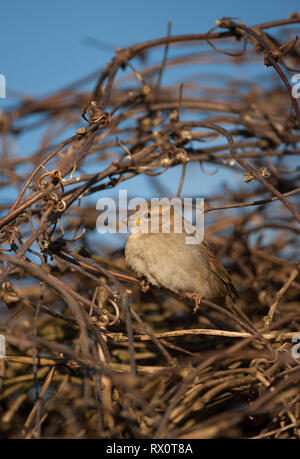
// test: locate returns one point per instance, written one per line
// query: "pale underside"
(165, 260)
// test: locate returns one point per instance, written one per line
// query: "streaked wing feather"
(218, 268)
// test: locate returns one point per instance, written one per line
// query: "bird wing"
(218, 268)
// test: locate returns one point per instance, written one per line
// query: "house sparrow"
(164, 258)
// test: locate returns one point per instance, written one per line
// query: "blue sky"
(42, 42)
(42, 47)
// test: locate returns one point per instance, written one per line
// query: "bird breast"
(165, 260)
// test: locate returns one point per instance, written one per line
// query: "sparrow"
(160, 253)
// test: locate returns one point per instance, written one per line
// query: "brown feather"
(216, 266)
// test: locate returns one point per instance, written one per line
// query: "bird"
(161, 256)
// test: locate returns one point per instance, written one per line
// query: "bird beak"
(126, 219)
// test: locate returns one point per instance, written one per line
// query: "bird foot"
(145, 286)
(197, 297)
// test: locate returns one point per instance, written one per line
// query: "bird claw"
(144, 285)
(197, 297)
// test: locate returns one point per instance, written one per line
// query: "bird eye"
(147, 215)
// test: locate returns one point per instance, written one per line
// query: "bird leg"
(197, 297)
(145, 286)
